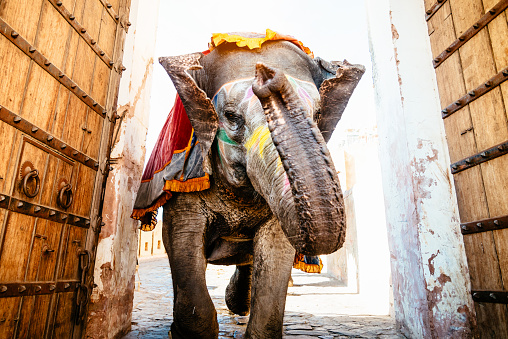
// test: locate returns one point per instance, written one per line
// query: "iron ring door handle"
(64, 198)
(32, 175)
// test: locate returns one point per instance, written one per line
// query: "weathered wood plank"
(461, 141)
(85, 60)
(27, 308)
(498, 31)
(47, 268)
(75, 242)
(116, 4)
(496, 186)
(492, 320)
(428, 4)
(83, 192)
(451, 86)
(65, 313)
(481, 252)
(460, 135)
(465, 13)
(16, 247)
(477, 61)
(101, 82)
(92, 137)
(441, 30)
(74, 123)
(108, 33)
(69, 4)
(41, 98)
(92, 19)
(78, 11)
(23, 16)
(52, 36)
(11, 162)
(14, 65)
(471, 195)
(7, 135)
(489, 120)
(39, 316)
(36, 252)
(450, 80)
(9, 311)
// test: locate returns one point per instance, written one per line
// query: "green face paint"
(222, 136)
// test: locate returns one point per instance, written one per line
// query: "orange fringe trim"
(147, 227)
(138, 213)
(190, 185)
(299, 264)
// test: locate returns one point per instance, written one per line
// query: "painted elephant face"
(243, 127)
(266, 117)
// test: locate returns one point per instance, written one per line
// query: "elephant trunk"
(306, 197)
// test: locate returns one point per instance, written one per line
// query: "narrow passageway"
(314, 309)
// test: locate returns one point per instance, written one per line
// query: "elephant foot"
(238, 290)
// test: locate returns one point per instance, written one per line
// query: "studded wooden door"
(469, 41)
(60, 65)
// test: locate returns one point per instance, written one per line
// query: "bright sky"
(332, 29)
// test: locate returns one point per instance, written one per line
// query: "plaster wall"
(430, 276)
(363, 264)
(111, 303)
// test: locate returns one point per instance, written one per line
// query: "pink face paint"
(305, 96)
(286, 183)
(248, 94)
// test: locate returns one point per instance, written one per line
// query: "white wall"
(363, 264)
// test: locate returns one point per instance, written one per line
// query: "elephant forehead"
(240, 92)
(232, 91)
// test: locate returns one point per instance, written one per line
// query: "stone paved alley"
(313, 307)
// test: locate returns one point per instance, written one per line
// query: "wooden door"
(469, 41)
(60, 65)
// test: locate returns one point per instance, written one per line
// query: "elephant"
(262, 118)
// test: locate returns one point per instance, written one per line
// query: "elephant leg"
(194, 314)
(273, 259)
(238, 290)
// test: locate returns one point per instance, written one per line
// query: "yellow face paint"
(260, 137)
(279, 164)
(254, 138)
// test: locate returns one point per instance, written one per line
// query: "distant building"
(150, 243)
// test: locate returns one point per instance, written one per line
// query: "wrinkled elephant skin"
(262, 118)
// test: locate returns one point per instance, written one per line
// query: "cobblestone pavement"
(305, 316)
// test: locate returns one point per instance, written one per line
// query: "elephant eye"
(230, 115)
(234, 121)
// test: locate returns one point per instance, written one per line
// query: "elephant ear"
(339, 81)
(198, 106)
